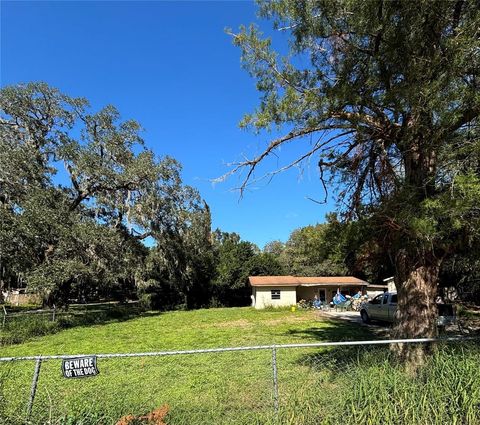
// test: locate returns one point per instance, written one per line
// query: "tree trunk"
(417, 311)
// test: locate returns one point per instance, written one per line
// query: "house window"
(275, 294)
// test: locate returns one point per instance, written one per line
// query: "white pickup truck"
(384, 306)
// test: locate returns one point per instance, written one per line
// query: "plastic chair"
(346, 305)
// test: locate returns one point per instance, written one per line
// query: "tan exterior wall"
(263, 296)
(290, 295)
(23, 299)
(306, 293)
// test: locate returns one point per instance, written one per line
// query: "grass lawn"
(181, 330)
(219, 388)
(331, 386)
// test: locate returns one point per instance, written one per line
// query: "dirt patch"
(247, 324)
(155, 417)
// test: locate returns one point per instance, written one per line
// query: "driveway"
(350, 316)
(354, 317)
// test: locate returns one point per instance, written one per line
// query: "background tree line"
(79, 192)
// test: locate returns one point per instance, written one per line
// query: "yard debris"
(155, 417)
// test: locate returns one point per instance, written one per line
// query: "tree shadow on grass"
(339, 358)
(343, 359)
(105, 316)
(335, 330)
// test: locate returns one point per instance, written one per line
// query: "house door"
(322, 294)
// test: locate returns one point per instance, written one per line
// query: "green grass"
(342, 385)
(368, 386)
(20, 308)
(180, 330)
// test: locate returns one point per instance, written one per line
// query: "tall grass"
(369, 386)
(332, 387)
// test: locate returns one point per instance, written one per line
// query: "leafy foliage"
(78, 232)
(235, 261)
(79, 192)
(314, 251)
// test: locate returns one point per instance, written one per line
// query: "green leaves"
(316, 250)
(81, 235)
(390, 93)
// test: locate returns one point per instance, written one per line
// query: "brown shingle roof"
(295, 281)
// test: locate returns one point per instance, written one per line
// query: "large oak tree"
(385, 95)
(79, 192)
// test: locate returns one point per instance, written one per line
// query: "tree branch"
(251, 164)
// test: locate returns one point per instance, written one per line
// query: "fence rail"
(18, 326)
(47, 382)
(55, 313)
(245, 348)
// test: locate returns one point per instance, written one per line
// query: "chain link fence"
(331, 383)
(75, 310)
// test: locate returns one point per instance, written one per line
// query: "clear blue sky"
(170, 66)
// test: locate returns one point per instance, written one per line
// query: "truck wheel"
(364, 316)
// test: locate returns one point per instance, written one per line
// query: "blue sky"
(170, 66)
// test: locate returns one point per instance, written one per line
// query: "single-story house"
(280, 291)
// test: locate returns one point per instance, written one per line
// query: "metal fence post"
(275, 380)
(33, 389)
(4, 316)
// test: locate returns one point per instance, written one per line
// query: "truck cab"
(383, 307)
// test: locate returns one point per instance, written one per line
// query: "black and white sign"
(80, 367)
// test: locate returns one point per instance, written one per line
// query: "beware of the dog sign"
(80, 367)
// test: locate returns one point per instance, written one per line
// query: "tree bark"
(417, 313)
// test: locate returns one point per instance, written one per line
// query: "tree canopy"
(235, 261)
(79, 191)
(314, 251)
(88, 211)
(385, 95)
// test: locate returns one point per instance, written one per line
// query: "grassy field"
(181, 330)
(331, 386)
